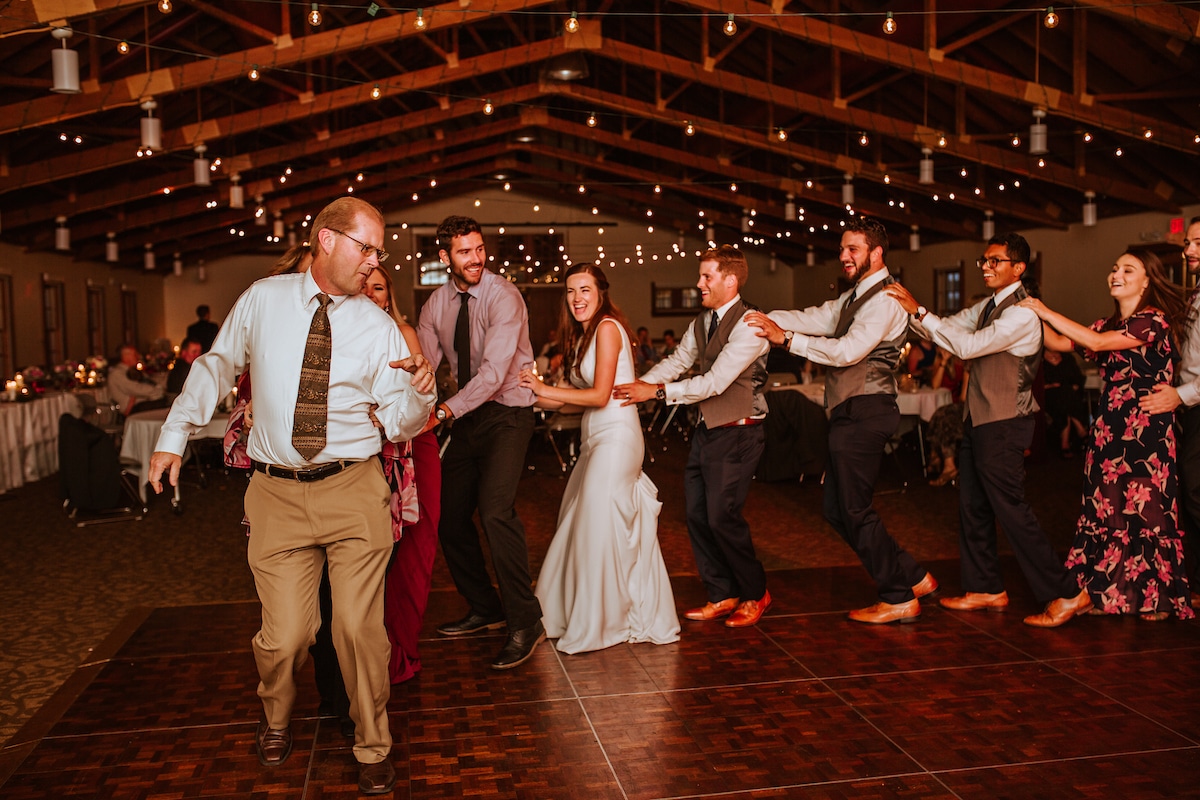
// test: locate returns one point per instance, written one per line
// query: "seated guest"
(643, 351)
(920, 361)
(946, 425)
(189, 351)
(669, 344)
(130, 388)
(1064, 397)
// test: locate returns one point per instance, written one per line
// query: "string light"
(420, 22)
(733, 187)
(507, 186)
(253, 75)
(314, 16)
(689, 128)
(1148, 133)
(657, 189)
(1087, 136)
(1120, 152)
(359, 177)
(123, 48)
(591, 120)
(376, 93)
(1051, 19)
(941, 142)
(165, 6)
(572, 25)
(488, 108)
(433, 183)
(889, 24)
(582, 189)
(730, 27)
(1016, 140)
(863, 139)
(781, 134)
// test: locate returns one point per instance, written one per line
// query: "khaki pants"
(294, 528)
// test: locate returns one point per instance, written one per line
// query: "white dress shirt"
(1188, 370)
(739, 352)
(879, 319)
(1018, 330)
(267, 331)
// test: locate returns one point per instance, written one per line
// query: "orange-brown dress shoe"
(976, 601)
(713, 610)
(749, 612)
(928, 585)
(1061, 610)
(882, 613)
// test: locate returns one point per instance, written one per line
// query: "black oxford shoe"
(520, 646)
(377, 778)
(471, 623)
(273, 744)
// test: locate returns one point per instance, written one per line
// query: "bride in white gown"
(604, 581)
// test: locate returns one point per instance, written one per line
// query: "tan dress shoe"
(1061, 610)
(882, 613)
(976, 601)
(377, 778)
(710, 611)
(273, 744)
(749, 612)
(927, 585)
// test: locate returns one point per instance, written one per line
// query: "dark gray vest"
(875, 374)
(1001, 384)
(744, 397)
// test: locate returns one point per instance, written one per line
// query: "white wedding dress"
(604, 580)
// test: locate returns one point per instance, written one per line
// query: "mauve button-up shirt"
(500, 346)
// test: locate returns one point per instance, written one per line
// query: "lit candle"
(10, 390)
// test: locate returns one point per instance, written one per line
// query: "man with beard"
(859, 336)
(1166, 398)
(479, 322)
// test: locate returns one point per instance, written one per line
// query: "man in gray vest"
(728, 441)
(859, 337)
(1166, 398)
(1002, 343)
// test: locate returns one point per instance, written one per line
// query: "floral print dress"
(1128, 550)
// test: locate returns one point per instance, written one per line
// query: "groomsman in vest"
(1002, 345)
(728, 442)
(1166, 398)
(859, 336)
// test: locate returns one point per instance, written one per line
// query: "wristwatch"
(787, 340)
(661, 392)
(921, 312)
(440, 414)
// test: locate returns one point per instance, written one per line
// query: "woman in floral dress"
(1128, 549)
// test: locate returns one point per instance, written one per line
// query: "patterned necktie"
(462, 340)
(312, 397)
(712, 326)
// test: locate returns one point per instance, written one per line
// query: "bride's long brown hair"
(576, 336)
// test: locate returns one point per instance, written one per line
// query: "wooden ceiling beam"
(1170, 18)
(859, 119)
(241, 23)
(41, 16)
(231, 66)
(862, 45)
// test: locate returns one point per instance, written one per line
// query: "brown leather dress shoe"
(927, 586)
(273, 744)
(1061, 610)
(749, 612)
(882, 613)
(976, 601)
(710, 611)
(377, 778)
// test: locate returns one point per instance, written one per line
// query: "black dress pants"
(480, 471)
(859, 429)
(716, 482)
(991, 489)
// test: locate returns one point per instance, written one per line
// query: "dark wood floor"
(806, 705)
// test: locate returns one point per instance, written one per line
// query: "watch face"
(441, 414)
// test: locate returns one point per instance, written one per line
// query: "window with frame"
(54, 320)
(948, 283)
(674, 301)
(97, 340)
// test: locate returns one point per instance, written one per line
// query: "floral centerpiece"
(96, 370)
(34, 379)
(65, 376)
(155, 363)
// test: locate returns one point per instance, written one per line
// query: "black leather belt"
(304, 475)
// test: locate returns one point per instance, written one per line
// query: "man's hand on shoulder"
(903, 297)
(765, 327)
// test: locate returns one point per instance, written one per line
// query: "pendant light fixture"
(64, 64)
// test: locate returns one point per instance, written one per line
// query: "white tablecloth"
(141, 434)
(29, 438)
(921, 403)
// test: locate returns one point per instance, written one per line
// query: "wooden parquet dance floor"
(805, 705)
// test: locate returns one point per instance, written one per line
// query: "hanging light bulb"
(591, 120)
(657, 189)
(689, 128)
(376, 92)
(488, 108)
(572, 25)
(1087, 136)
(889, 24)
(123, 48)
(420, 22)
(165, 6)
(863, 139)
(1038, 134)
(64, 64)
(989, 225)
(730, 27)
(1016, 140)
(941, 142)
(781, 134)
(62, 234)
(151, 127)
(925, 171)
(253, 74)
(314, 16)
(1089, 209)
(260, 211)
(1051, 19)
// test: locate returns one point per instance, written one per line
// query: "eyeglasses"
(992, 262)
(364, 248)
